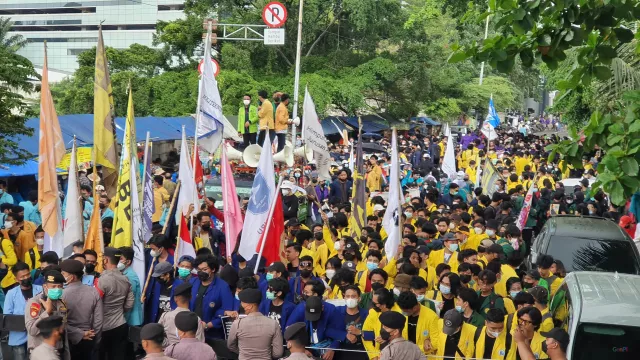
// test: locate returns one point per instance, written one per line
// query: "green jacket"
(253, 119)
(476, 319)
(490, 302)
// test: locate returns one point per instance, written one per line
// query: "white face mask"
(121, 266)
(336, 245)
(452, 226)
(396, 291)
(155, 253)
(477, 230)
(330, 273)
(246, 102)
(8, 224)
(351, 303)
(40, 241)
(491, 232)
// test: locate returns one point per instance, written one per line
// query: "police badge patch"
(34, 310)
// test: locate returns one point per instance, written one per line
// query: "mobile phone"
(368, 336)
(44, 297)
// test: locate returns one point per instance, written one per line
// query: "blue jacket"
(217, 300)
(342, 313)
(152, 300)
(31, 212)
(134, 317)
(148, 259)
(287, 310)
(296, 288)
(14, 304)
(335, 192)
(330, 326)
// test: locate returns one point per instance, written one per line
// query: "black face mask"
(376, 309)
(376, 286)
(526, 285)
(304, 297)
(26, 282)
(349, 256)
(305, 273)
(318, 236)
(465, 279)
(544, 347)
(206, 227)
(103, 206)
(89, 268)
(203, 275)
(384, 334)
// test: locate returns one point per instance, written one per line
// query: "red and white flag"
(271, 250)
(232, 212)
(188, 191)
(526, 207)
(186, 244)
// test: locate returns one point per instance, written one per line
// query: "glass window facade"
(70, 27)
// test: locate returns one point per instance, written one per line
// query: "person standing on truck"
(248, 121)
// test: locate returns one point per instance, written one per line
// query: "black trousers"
(282, 140)
(249, 139)
(82, 350)
(262, 134)
(114, 343)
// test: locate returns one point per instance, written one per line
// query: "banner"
(313, 137)
(491, 122)
(391, 219)
(449, 161)
(73, 221)
(489, 177)
(188, 195)
(104, 136)
(148, 201)
(95, 240)
(209, 128)
(232, 211)
(526, 206)
(359, 196)
(50, 152)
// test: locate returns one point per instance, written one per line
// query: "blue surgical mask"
(514, 293)
(453, 247)
(459, 309)
(54, 294)
(269, 276)
(237, 297)
(420, 298)
(271, 295)
(444, 289)
(183, 272)
(371, 266)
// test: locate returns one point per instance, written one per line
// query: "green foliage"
(15, 73)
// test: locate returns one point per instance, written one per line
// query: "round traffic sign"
(274, 14)
(214, 63)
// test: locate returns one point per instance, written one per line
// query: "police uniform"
(398, 348)
(45, 351)
(189, 348)
(256, 336)
(167, 319)
(297, 331)
(37, 313)
(151, 332)
(85, 312)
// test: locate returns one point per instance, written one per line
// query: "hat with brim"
(313, 309)
(93, 177)
(452, 320)
(161, 268)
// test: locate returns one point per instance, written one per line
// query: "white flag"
(313, 136)
(73, 222)
(391, 219)
(137, 242)
(209, 119)
(449, 162)
(263, 194)
(188, 191)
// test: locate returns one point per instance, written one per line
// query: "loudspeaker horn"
(251, 155)
(296, 121)
(233, 154)
(284, 156)
(304, 151)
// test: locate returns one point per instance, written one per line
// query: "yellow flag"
(104, 137)
(122, 230)
(50, 153)
(94, 240)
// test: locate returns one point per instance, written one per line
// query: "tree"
(15, 75)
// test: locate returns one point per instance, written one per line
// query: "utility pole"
(296, 82)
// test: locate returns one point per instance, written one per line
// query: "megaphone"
(296, 121)
(284, 156)
(304, 151)
(251, 155)
(233, 154)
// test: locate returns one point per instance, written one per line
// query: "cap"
(72, 266)
(378, 207)
(585, 182)
(187, 321)
(152, 331)
(49, 323)
(277, 267)
(294, 329)
(452, 321)
(540, 294)
(250, 296)
(159, 171)
(351, 246)
(350, 265)
(54, 277)
(492, 224)
(286, 184)
(293, 222)
(313, 309)
(182, 289)
(112, 252)
(534, 274)
(393, 320)
(557, 334)
(423, 249)
(486, 243)
(188, 258)
(161, 268)
(449, 237)
(402, 281)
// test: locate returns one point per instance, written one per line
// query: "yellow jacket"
(35, 262)
(521, 162)
(374, 178)
(553, 286)
(547, 324)
(372, 323)
(437, 257)
(508, 305)
(501, 287)
(265, 114)
(471, 172)
(320, 257)
(465, 344)
(282, 117)
(500, 351)
(428, 275)
(540, 182)
(512, 184)
(9, 258)
(536, 347)
(427, 329)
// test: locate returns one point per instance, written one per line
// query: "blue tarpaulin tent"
(28, 168)
(370, 123)
(334, 125)
(426, 121)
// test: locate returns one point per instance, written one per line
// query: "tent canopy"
(370, 123)
(426, 121)
(30, 167)
(333, 125)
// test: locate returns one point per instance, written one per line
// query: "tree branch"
(320, 37)
(284, 57)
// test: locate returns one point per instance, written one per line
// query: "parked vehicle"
(585, 243)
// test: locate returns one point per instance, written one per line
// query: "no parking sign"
(274, 14)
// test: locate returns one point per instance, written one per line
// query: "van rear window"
(596, 341)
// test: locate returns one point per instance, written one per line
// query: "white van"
(601, 313)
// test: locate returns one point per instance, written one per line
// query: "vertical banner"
(314, 136)
(391, 219)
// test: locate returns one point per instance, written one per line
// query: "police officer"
(255, 337)
(297, 338)
(182, 297)
(52, 330)
(84, 319)
(152, 336)
(43, 306)
(187, 323)
(397, 347)
(117, 299)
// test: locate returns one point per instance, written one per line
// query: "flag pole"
(173, 202)
(175, 263)
(266, 230)
(223, 167)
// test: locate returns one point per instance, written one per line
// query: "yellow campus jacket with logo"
(427, 329)
(499, 352)
(372, 323)
(465, 344)
(437, 257)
